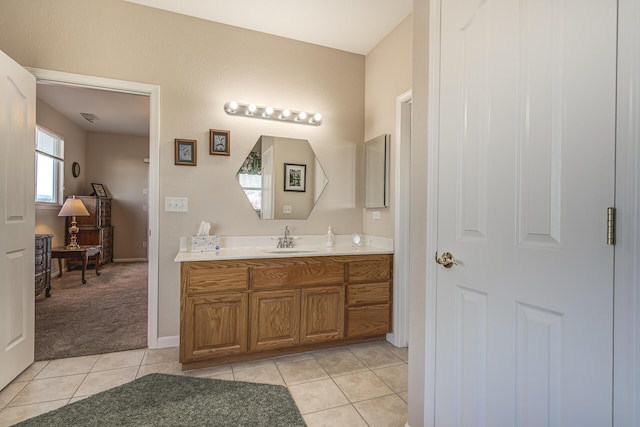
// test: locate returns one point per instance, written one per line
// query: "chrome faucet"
(287, 240)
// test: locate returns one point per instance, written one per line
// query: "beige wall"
(47, 219)
(199, 65)
(387, 76)
(116, 161)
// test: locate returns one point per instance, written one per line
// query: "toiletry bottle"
(330, 237)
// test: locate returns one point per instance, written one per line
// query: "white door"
(17, 223)
(526, 173)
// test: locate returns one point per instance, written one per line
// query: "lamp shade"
(73, 207)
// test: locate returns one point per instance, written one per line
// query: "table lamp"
(73, 207)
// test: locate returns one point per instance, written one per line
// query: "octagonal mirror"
(282, 178)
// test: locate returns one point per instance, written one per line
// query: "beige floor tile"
(394, 376)
(211, 372)
(293, 358)
(77, 399)
(317, 396)
(265, 375)
(161, 355)
(375, 356)
(172, 368)
(252, 364)
(69, 366)
(387, 411)
(404, 396)
(344, 416)
(121, 359)
(302, 372)
(340, 363)
(95, 382)
(226, 376)
(31, 372)
(362, 386)
(401, 352)
(49, 389)
(10, 391)
(11, 416)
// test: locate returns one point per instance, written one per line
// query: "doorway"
(153, 92)
(400, 335)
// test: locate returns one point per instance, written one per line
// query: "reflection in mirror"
(376, 181)
(262, 178)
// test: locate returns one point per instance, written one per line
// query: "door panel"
(17, 223)
(526, 167)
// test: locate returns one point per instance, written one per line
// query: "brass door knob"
(446, 260)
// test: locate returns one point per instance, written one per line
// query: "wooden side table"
(83, 253)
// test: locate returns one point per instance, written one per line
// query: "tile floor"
(359, 385)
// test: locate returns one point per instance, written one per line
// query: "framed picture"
(219, 142)
(295, 177)
(99, 190)
(186, 152)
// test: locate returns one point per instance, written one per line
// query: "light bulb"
(317, 117)
(233, 106)
(268, 111)
(285, 113)
(301, 116)
(251, 109)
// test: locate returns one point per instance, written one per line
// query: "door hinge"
(611, 226)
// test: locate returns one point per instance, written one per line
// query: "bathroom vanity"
(238, 305)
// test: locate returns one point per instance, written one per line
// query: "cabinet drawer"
(203, 279)
(368, 320)
(40, 282)
(376, 269)
(376, 293)
(40, 263)
(329, 273)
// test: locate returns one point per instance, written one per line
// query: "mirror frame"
(376, 180)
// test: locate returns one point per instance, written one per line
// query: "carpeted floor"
(107, 314)
(175, 400)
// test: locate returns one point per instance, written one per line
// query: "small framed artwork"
(99, 190)
(219, 142)
(295, 177)
(186, 152)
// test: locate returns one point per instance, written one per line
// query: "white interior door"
(17, 218)
(526, 173)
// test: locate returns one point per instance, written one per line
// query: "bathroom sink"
(289, 251)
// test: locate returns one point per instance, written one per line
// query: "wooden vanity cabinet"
(275, 319)
(369, 296)
(234, 310)
(214, 310)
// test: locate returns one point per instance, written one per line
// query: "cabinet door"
(214, 325)
(275, 319)
(322, 314)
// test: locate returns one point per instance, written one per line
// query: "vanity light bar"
(273, 113)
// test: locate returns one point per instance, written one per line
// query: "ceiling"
(351, 25)
(355, 26)
(116, 112)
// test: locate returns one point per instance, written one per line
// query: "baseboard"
(165, 342)
(130, 260)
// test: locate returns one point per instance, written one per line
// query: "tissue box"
(203, 243)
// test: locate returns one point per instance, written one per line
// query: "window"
(49, 166)
(252, 186)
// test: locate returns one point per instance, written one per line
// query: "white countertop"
(271, 252)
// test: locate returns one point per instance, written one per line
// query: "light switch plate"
(176, 204)
(376, 214)
(286, 209)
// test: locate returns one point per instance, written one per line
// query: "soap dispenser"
(330, 237)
